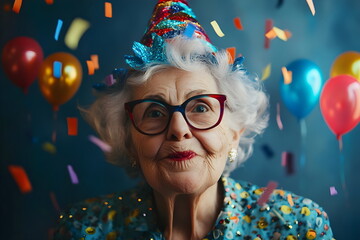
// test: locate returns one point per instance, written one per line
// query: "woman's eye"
(154, 114)
(200, 108)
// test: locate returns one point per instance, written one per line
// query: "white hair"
(246, 103)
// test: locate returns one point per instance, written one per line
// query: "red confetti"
(237, 23)
(95, 60)
(231, 52)
(21, 178)
(108, 10)
(72, 124)
(268, 27)
(91, 67)
(267, 193)
(17, 6)
(49, 2)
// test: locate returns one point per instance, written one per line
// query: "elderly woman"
(182, 118)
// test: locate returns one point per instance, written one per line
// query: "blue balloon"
(302, 94)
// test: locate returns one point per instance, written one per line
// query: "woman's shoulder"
(108, 216)
(284, 212)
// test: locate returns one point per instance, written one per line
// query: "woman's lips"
(181, 156)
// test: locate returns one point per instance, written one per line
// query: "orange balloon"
(347, 63)
(59, 78)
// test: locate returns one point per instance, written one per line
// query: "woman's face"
(181, 159)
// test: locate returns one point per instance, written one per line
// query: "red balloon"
(340, 104)
(21, 60)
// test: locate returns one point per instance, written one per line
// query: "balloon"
(21, 60)
(347, 63)
(302, 94)
(340, 104)
(59, 78)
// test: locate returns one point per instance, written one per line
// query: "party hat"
(169, 19)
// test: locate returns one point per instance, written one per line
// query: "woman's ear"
(236, 135)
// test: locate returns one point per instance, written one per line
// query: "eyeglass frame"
(129, 106)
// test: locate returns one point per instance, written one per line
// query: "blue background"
(27, 121)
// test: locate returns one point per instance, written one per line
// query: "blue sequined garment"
(131, 215)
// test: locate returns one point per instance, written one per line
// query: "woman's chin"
(188, 182)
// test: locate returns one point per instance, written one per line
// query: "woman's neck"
(189, 216)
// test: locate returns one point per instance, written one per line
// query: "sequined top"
(131, 215)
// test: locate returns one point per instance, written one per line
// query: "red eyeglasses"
(152, 116)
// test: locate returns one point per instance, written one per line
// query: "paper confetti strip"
(49, 2)
(311, 6)
(21, 178)
(268, 27)
(237, 23)
(267, 193)
(73, 176)
(102, 145)
(217, 29)
(287, 161)
(95, 59)
(290, 200)
(333, 191)
(57, 69)
(75, 32)
(58, 29)
(72, 123)
(108, 10)
(48, 147)
(54, 202)
(189, 30)
(91, 67)
(109, 80)
(17, 6)
(278, 117)
(231, 51)
(287, 75)
(266, 72)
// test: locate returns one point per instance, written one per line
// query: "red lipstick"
(182, 156)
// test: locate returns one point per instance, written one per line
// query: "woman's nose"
(178, 128)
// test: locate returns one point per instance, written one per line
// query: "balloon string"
(303, 132)
(53, 136)
(342, 165)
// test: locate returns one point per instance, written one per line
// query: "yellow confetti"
(287, 75)
(49, 147)
(217, 29)
(75, 32)
(280, 34)
(266, 72)
(311, 6)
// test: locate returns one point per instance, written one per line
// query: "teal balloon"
(302, 94)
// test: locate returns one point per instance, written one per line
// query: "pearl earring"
(232, 155)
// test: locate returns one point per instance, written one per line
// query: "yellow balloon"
(59, 78)
(347, 63)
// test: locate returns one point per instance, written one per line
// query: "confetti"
(49, 2)
(287, 75)
(73, 176)
(237, 23)
(48, 147)
(17, 6)
(189, 30)
(21, 178)
(290, 200)
(72, 123)
(333, 191)
(231, 51)
(217, 29)
(102, 145)
(95, 59)
(281, 33)
(270, 34)
(266, 72)
(311, 6)
(109, 80)
(91, 67)
(267, 151)
(268, 27)
(278, 118)
(108, 10)
(54, 201)
(267, 193)
(75, 32)
(287, 161)
(58, 29)
(57, 69)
